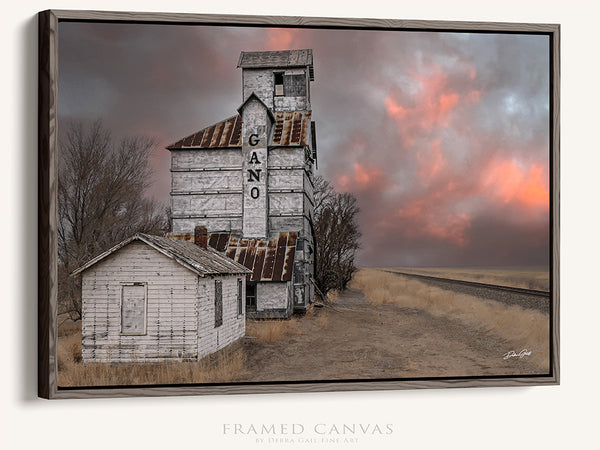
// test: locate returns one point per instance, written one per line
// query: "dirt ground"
(357, 340)
(400, 328)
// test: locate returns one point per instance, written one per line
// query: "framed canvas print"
(246, 204)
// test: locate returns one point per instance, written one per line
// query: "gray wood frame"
(47, 204)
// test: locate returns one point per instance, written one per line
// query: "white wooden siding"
(186, 225)
(207, 204)
(175, 301)
(290, 103)
(286, 179)
(261, 82)
(286, 203)
(206, 159)
(200, 181)
(286, 156)
(211, 338)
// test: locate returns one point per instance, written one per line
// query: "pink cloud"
(431, 162)
(363, 177)
(452, 228)
(507, 182)
(435, 100)
(433, 216)
(429, 108)
(396, 111)
(281, 38)
(445, 104)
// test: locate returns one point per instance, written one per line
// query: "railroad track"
(527, 298)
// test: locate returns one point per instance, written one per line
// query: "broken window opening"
(250, 296)
(278, 84)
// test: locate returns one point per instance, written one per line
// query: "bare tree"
(101, 201)
(323, 192)
(337, 236)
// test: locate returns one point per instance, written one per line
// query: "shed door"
(133, 309)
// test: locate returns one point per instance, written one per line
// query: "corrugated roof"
(203, 261)
(224, 134)
(291, 129)
(269, 260)
(281, 58)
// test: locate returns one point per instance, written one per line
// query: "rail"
(516, 290)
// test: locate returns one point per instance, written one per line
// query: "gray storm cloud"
(442, 137)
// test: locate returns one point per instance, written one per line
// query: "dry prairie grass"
(270, 330)
(526, 278)
(221, 367)
(522, 328)
(333, 296)
(320, 316)
(68, 328)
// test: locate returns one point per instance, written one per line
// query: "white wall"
(211, 339)
(534, 418)
(171, 307)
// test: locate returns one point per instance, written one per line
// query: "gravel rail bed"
(531, 300)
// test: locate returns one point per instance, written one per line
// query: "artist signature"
(513, 354)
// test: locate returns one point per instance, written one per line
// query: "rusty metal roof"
(225, 134)
(291, 129)
(203, 261)
(281, 58)
(269, 260)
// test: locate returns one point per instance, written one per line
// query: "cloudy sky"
(442, 137)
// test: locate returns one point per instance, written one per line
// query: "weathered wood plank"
(219, 19)
(286, 179)
(302, 387)
(282, 156)
(286, 203)
(223, 224)
(47, 208)
(206, 159)
(192, 181)
(211, 204)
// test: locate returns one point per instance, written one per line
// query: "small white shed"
(152, 299)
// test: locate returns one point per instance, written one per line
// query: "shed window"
(218, 303)
(240, 298)
(133, 309)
